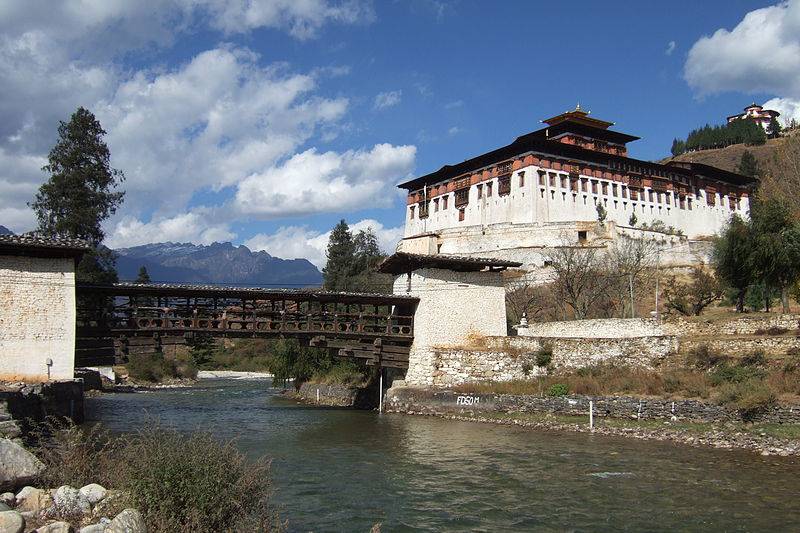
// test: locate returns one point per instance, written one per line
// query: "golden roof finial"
(578, 107)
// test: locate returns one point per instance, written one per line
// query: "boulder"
(93, 492)
(94, 528)
(114, 503)
(18, 466)
(11, 522)
(68, 501)
(8, 498)
(56, 527)
(33, 500)
(128, 521)
(4, 507)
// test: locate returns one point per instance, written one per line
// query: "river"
(344, 470)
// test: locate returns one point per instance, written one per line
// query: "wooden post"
(591, 415)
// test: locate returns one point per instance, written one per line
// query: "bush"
(734, 374)
(750, 398)
(348, 373)
(558, 389)
(179, 482)
(154, 368)
(704, 358)
(544, 356)
(756, 358)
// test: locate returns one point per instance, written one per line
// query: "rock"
(33, 500)
(93, 492)
(4, 507)
(8, 498)
(11, 522)
(68, 501)
(128, 521)
(18, 466)
(114, 502)
(56, 527)
(94, 528)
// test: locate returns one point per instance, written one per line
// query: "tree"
(731, 258)
(693, 297)
(631, 264)
(579, 278)
(678, 147)
(144, 276)
(774, 127)
(601, 213)
(633, 220)
(748, 165)
(79, 195)
(533, 301)
(775, 253)
(340, 255)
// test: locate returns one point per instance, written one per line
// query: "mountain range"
(5, 231)
(220, 262)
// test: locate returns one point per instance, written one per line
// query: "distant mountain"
(222, 263)
(5, 231)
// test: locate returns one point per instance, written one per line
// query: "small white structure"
(37, 308)
(459, 298)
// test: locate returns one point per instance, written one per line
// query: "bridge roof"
(248, 293)
(403, 262)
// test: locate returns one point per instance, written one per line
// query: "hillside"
(221, 263)
(728, 158)
(5, 231)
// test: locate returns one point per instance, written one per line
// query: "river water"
(344, 470)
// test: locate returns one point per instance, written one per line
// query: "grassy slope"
(728, 158)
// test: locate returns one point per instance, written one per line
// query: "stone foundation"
(436, 402)
(22, 405)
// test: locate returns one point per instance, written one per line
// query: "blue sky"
(264, 122)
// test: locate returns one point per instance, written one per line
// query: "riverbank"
(232, 374)
(685, 422)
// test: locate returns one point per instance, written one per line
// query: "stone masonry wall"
(741, 325)
(37, 318)
(22, 405)
(603, 328)
(510, 358)
(428, 401)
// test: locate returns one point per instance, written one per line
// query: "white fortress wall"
(542, 195)
(37, 318)
(452, 307)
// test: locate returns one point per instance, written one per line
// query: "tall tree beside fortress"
(748, 165)
(352, 260)
(80, 193)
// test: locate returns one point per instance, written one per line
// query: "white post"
(317, 395)
(591, 414)
(380, 392)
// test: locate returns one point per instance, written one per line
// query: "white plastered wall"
(453, 306)
(37, 318)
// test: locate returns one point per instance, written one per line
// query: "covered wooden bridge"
(116, 320)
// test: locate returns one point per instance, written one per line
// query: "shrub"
(750, 398)
(155, 367)
(558, 389)
(704, 358)
(347, 373)
(544, 356)
(527, 368)
(755, 358)
(179, 482)
(734, 374)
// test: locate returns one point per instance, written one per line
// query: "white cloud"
(194, 227)
(314, 182)
(670, 48)
(455, 130)
(387, 99)
(291, 242)
(761, 54)
(208, 124)
(788, 108)
(454, 104)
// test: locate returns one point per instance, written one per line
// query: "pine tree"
(748, 165)
(144, 276)
(774, 127)
(340, 255)
(79, 195)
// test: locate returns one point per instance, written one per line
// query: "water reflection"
(342, 470)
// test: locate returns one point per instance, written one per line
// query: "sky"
(264, 122)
